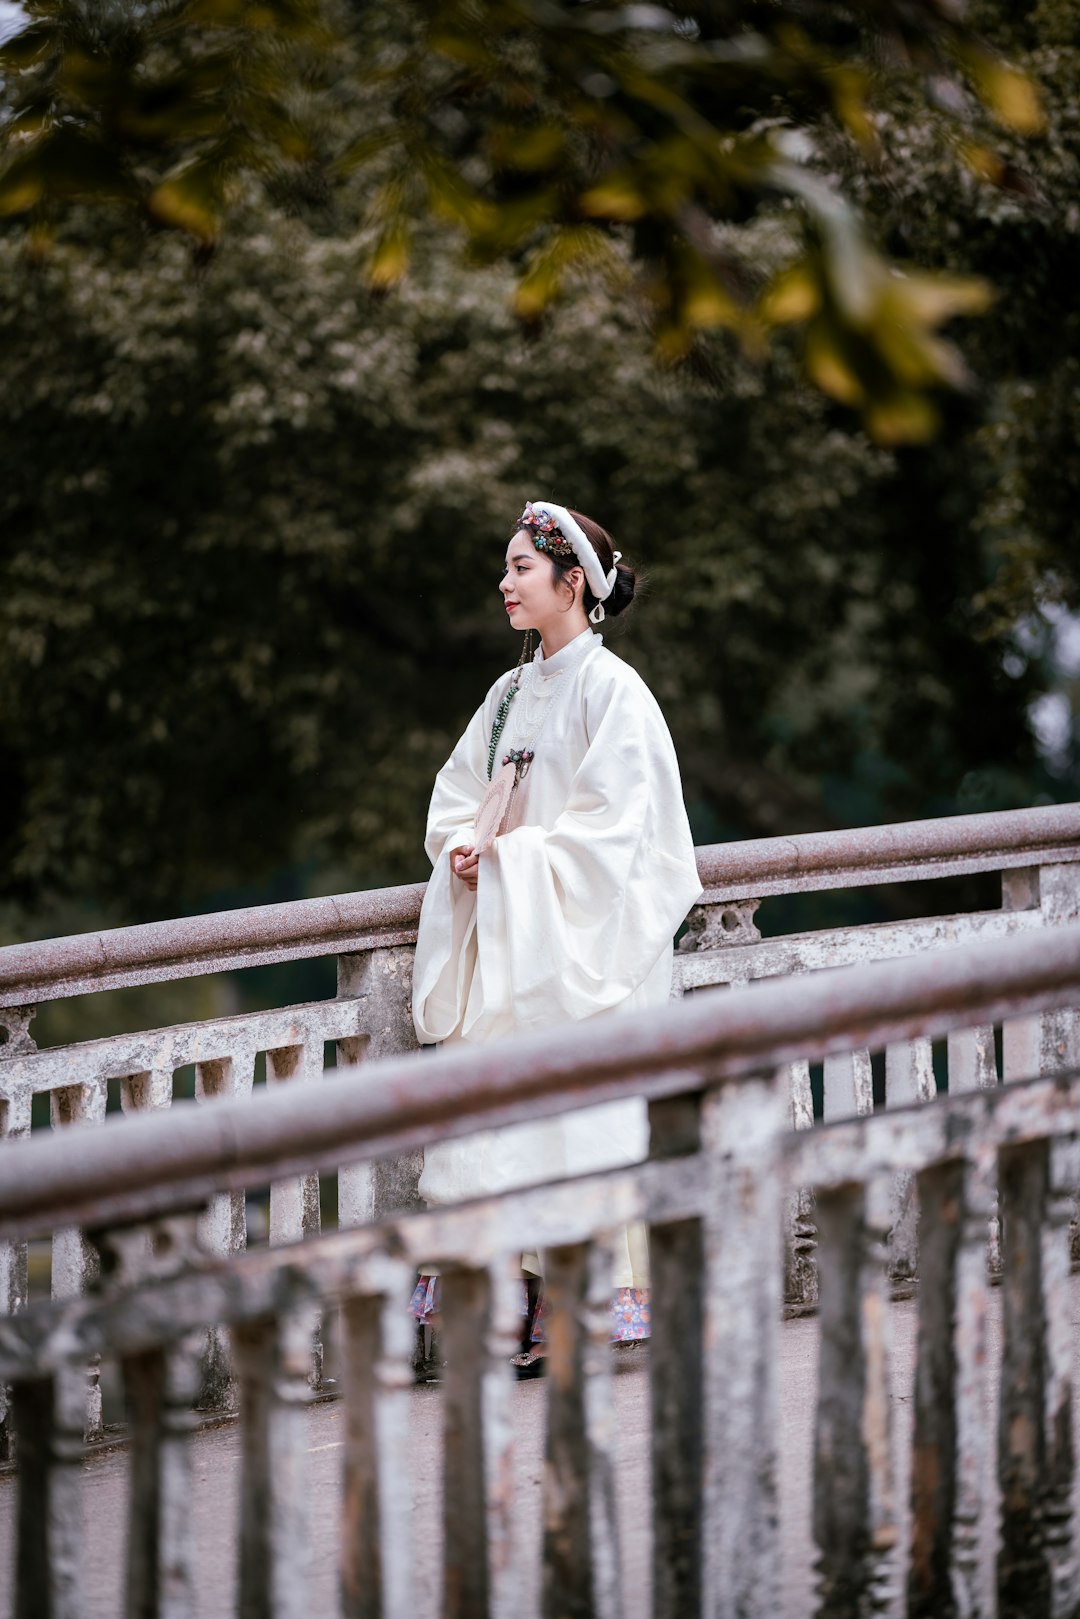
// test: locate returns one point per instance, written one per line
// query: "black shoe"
(527, 1366)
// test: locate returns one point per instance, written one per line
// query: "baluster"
(294, 1204)
(1058, 1237)
(909, 1078)
(848, 1085)
(49, 1415)
(800, 1236)
(972, 1061)
(382, 981)
(1059, 1053)
(223, 1226)
(581, 1556)
(74, 1260)
(909, 1073)
(14, 1282)
(1021, 1038)
(146, 1092)
(356, 1182)
(951, 1440)
(272, 1365)
(1059, 899)
(1036, 1572)
(677, 1265)
(376, 1535)
(480, 1332)
(973, 1067)
(854, 1501)
(740, 1285)
(160, 1386)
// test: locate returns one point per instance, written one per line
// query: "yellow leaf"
(983, 163)
(917, 359)
(1008, 93)
(928, 300)
(452, 198)
(532, 296)
(849, 89)
(188, 201)
(458, 46)
(28, 124)
(61, 162)
(671, 344)
(614, 198)
(903, 418)
(390, 260)
(828, 368)
(542, 281)
(39, 242)
(19, 195)
(793, 295)
(518, 148)
(707, 304)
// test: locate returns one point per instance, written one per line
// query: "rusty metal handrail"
(150, 1163)
(344, 924)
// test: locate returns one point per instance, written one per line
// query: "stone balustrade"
(722, 1162)
(371, 934)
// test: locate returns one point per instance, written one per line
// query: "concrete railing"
(351, 924)
(371, 935)
(722, 1162)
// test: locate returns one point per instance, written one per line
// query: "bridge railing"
(371, 935)
(722, 1161)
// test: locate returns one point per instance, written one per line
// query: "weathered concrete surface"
(217, 1465)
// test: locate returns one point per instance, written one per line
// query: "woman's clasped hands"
(465, 863)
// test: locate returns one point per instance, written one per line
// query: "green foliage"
(253, 529)
(253, 517)
(1011, 217)
(545, 132)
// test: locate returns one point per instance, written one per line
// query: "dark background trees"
(254, 507)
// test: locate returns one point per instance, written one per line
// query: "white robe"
(576, 904)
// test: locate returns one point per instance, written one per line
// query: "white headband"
(600, 583)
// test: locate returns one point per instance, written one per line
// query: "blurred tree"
(253, 516)
(251, 602)
(1018, 455)
(1022, 232)
(547, 132)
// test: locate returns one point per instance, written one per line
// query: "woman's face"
(528, 586)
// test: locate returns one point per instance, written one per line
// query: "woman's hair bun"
(622, 591)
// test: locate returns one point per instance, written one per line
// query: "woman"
(570, 911)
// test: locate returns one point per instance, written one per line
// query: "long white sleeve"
(573, 917)
(577, 903)
(445, 948)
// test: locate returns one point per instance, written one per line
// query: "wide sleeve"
(445, 944)
(573, 919)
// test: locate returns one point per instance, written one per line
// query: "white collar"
(567, 655)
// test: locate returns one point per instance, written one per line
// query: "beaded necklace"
(502, 713)
(501, 717)
(538, 704)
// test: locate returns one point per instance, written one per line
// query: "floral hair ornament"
(557, 534)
